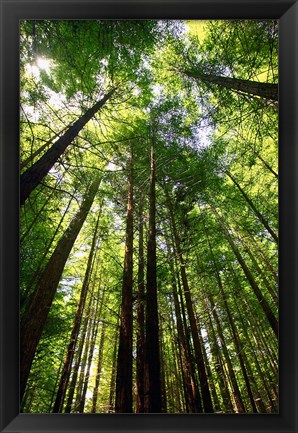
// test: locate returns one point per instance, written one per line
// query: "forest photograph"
(149, 216)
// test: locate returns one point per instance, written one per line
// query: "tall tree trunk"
(81, 376)
(98, 367)
(152, 380)
(38, 309)
(271, 291)
(263, 90)
(114, 371)
(75, 329)
(189, 383)
(236, 391)
(33, 155)
(123, 403)
(140, 320)
(236, 339)
(32, 177)
(222, 382)
(205, 391)
(253, 207)
(263, 303)
(78, 357)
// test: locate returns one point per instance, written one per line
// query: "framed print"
(148, 218)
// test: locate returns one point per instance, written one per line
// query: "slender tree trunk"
(189, 384)
(162, 371)
(236, 391)
(123, 403)
(152, 380)
(190, 352)
(97, 315)
(33, 155)
(205, 391)
(80, 384)
(263, 90)
(209, 374)
(236, 339)
(267, 284)
(99, 362)
(263, 303)
(98, 368)
(32, 177)
(265, 259)
(75, 329)
(78, 356)
(37, 312)
(140, 320)
(37, 215)
(223, 386)
(255, 210)
(113, 372)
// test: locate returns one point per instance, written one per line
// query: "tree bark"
(140, 320)
(38, 309)
(75, 329)
(205, 391)
(189, 383)
(32, 177)
(263, 90)
(152, 398)
(123, 403)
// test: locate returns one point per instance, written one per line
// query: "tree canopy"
(149, 216)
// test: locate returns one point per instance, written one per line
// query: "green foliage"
(208, 139)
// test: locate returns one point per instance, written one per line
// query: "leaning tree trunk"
(152, 398)
(261, 217)
(123, 403)
(263, 90)
(262, 301)
(38, 309)
(32, 177)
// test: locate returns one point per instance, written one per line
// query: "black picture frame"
(287, 13)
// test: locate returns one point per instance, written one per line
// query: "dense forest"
(149, 216)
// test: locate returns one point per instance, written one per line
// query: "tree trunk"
(33, 155)
(98, 368)
(152, 398)
(255, 210)
(38, 309)
(78, 357)
(189, 384)
(123, 403)
(236, 392)
(75, 329)
(113, 373)
(32, 177)
(263, 90)
(80, 384)
(205, 391)
(140, 320)
(263, 303)
(222, 382)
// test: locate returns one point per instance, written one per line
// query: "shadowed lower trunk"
(123, 403)
(38, 308)
(152, 398)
